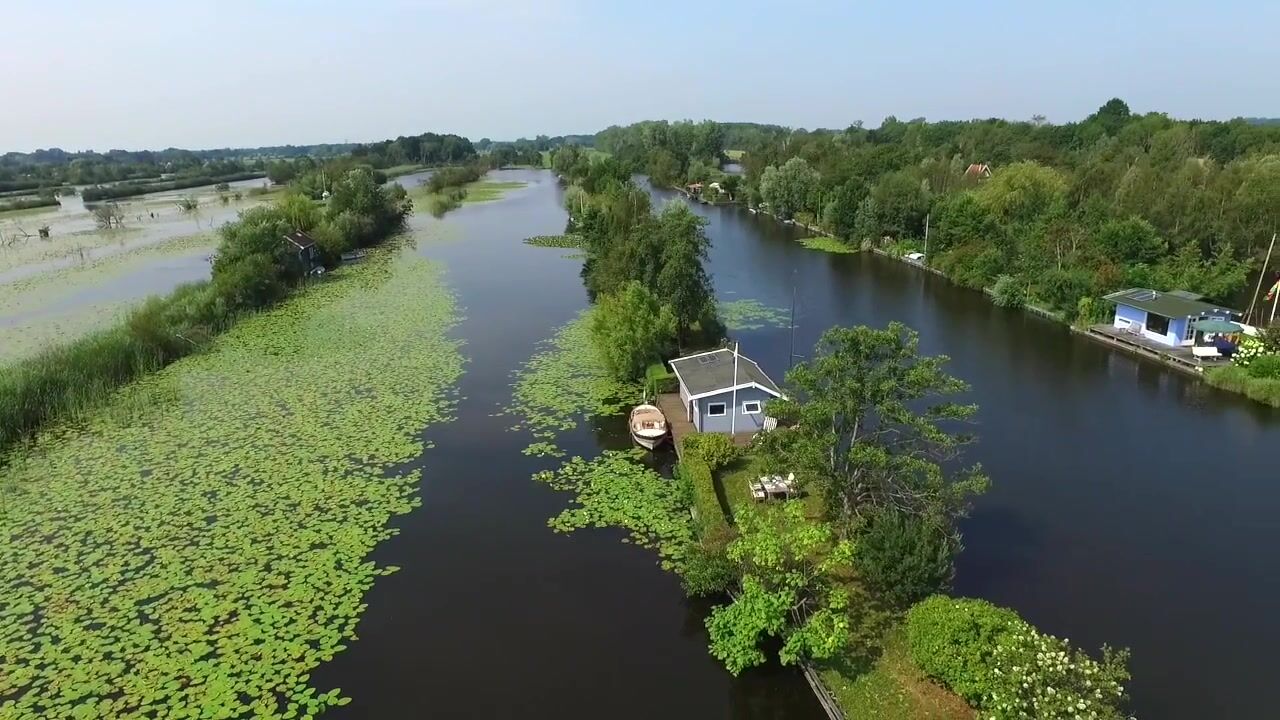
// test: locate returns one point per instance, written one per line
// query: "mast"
(733, 416)
(1261, 277)
(791, 349)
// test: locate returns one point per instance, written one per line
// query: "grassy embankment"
(451, 187)
(130, 189)
(199, 544)
(877, 680)
(27, 203)
(1237, 379)
(396, 171)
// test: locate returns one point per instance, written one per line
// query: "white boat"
(648, 426)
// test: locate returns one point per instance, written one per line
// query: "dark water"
(1131, 505)
(493, 615)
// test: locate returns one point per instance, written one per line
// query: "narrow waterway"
(1131, 505)
(493, 615)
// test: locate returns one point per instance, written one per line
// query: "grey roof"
(1176, 304)
(713, 372)
(300, 240)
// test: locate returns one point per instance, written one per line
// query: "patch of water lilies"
(753, 315)
(564, 382)
(568, 240)
(197, 547)
(829, 244)
(615, 490)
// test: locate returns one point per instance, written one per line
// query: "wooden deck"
(1179, 358)
(681, 426)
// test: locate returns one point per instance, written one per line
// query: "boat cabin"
(723, 391)
(1166, 318)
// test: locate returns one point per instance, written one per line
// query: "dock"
(1178, 358)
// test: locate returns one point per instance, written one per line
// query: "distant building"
(978, 171)
(1164, 317)
(305, 249)
(722, 396)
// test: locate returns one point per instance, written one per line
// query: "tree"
(868, 419)
(788, 189)
(791, 568)
(1132, 240)
(905, 558)
(1024, 192)
(281, 172)
(663, 168)
(632, 330)
(683, 282)
(301, 211)
(108, 215)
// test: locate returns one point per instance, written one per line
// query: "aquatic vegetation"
(565, 381)
(828, 244)
(752, 315)
(46, 309)
(486, 190)
(614, 490)
(568, 240)
(199, 545)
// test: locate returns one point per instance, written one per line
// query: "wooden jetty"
(1179, 358)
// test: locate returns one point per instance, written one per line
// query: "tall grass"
(26, 203)
(1238, 379)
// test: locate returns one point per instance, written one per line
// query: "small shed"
(303, 246)
(1167, 318)
(723, 391)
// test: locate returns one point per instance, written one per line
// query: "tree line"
(1065, 212)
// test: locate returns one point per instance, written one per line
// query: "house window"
(716, 409)
(1157, 324)
(751, 408)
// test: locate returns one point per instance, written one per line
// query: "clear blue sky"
(136, 75)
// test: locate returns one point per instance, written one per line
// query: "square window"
(716, 409)
(751, 408)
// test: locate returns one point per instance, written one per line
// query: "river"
(1131, 505)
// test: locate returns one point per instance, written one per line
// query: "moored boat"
(648, 426)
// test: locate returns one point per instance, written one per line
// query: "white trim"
(757, 411)
(724, 409)
(743, 386)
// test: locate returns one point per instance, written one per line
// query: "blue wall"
(744, 422)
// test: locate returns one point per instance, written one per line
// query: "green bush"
(904, 558)
(658, 379)
(1008, 669)
(706, 504)
(715, 449)
(954, 640)
(1265, 367)
(707, 569)
(1008, 292)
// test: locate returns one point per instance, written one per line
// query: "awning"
(1214, 325)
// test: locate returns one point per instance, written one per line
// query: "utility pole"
(1261, 277)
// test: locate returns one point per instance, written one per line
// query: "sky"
(233, 73)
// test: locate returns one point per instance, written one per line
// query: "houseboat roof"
(711, 373)
(300, 240)
(1173, 304)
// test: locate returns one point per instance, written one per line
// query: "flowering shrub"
(1008, 669)
(1250, 348)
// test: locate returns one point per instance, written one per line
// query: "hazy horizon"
(150, 75)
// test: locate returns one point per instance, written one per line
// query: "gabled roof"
(1175, 304)
(300, 240)
(711, 373)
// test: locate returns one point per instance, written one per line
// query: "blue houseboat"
(722, 391)
(1165, 318)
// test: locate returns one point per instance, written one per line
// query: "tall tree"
(683, 282)
(870, 427)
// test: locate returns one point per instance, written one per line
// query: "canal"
(1130, 505)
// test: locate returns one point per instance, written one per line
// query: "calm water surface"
(1130, 505)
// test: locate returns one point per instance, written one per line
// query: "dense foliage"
(1008, 669)
(132, 188)
(715, 449)
(1074, 210)
(631, 330)
(663, 253)
(870, 428)
(425, 149)
(904, 558)
(791, 591)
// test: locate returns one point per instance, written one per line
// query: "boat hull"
(649, 443)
